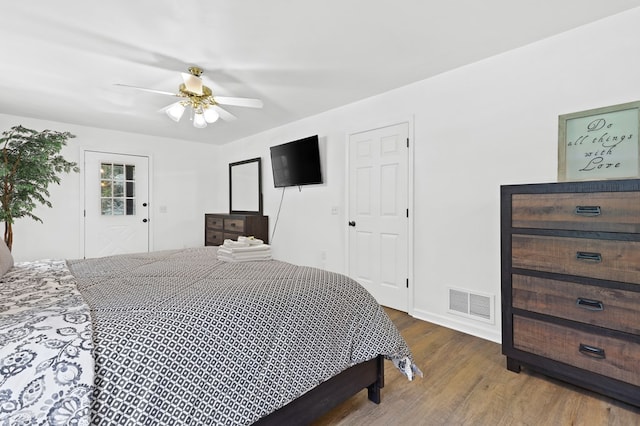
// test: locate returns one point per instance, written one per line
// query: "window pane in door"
(106, 207)
(105, 188)
(118, 172)
(131, 207)
(117, 189)
(105, 171)
(118, 206)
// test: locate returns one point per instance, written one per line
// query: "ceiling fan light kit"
(199, 121)
(175, 111)
(201, 115)
(205, 108)
(210, 115)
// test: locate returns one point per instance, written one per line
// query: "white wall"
(490, 123)
(182, 176)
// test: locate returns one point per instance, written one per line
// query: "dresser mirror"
(245, 187)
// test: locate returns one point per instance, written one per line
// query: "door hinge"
(407, 282)
(84, 213)
(407, 212)
(407, 142)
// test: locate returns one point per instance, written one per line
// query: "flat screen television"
(296, 163)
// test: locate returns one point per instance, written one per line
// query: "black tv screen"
(296, 163)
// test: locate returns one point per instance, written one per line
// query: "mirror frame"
(235, 167)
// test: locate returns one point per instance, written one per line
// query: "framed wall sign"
(600, 143)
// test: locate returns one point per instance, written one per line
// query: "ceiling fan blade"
(224, 114)
(242, 102)
(192, 83)
(161, 92)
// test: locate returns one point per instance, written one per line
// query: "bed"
(179, 337)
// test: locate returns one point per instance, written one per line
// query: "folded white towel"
(249, 253)
(231, 243)
(227, 249)
(244, 258)
(251, 240)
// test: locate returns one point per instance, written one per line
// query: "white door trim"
(410, 201)
(82, 195)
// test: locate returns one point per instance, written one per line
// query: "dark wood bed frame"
(329, 394)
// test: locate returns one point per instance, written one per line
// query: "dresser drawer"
(234, 225)
(213, 238)
(213, 222)
(604, 259)
(604, 355)
(596, 211)
(604, 307)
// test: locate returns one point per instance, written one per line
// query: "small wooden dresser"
(571, 283)
(219, 227)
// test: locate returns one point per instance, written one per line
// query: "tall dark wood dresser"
(571, 283)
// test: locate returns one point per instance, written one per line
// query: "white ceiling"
(60, 60)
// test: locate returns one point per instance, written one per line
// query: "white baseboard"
(455, 324)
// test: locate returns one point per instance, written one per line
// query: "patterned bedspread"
(46, 364)
(182, 338)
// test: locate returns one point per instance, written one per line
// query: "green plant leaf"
(30, 161)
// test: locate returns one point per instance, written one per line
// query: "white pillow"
(6, 258)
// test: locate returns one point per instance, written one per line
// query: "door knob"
(145, 220)
(352, 223)
(144, 204)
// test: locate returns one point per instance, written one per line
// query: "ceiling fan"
(205, 107)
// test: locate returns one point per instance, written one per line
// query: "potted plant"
(30, 160)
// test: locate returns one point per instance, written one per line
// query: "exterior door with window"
(116, 204)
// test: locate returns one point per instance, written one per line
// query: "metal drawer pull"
(590, 305)
(588, 210)
(591, 351)
(589, 257)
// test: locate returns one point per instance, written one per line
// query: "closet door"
(378, 203)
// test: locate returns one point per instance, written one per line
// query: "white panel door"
(378, 223)
(116, 200)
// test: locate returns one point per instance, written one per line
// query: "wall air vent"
(471, 305)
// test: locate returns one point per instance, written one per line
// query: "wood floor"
(466, 383)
